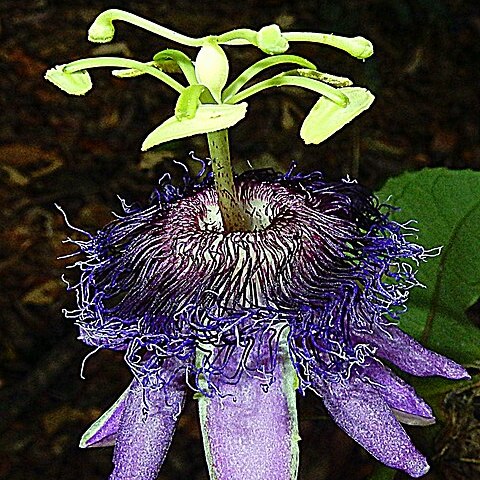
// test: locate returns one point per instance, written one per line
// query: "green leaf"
(75, 83)
(446, 205)
(208, 118)
(327, 117)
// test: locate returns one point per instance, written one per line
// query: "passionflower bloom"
(309, 298)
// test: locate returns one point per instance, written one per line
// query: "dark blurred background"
(82, 152)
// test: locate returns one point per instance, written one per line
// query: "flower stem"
(233, 215)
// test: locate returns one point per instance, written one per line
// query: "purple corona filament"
(311, 295)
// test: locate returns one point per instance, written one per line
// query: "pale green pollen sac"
(102, 29)
(132, 72)
(73, 83)
(327, 117)
(270, 40)
(333, 80)
(361, 48)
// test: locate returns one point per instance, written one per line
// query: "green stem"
(233, 216)
(119, 62)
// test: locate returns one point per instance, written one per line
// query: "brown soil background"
(82, 152)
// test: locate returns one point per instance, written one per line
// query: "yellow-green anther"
(74, 83)
(211, 68)
(359, 47)
(326, 117)
(131, 72)
(324, 77)
(188, 102)
(270, 40)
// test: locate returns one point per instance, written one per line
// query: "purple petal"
(363, 414)
(254, 434)
(145, 435)
(405, 404)
(103, 432)
(412, 357)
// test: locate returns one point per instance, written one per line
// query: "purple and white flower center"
(321, 263)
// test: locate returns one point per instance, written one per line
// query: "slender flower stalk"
(233, 216)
